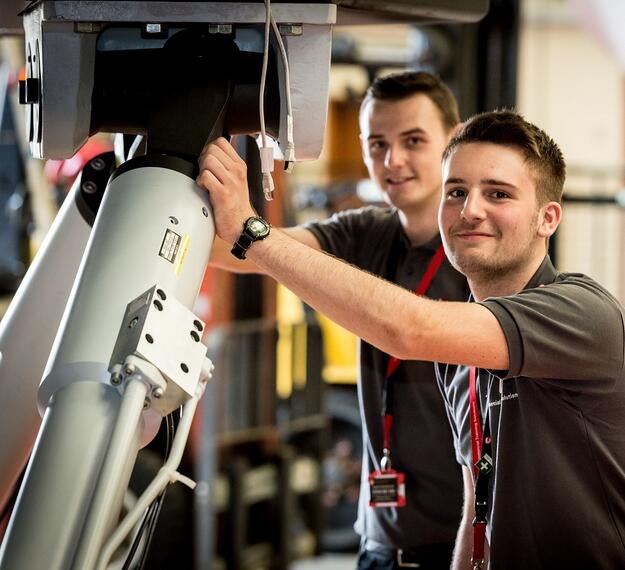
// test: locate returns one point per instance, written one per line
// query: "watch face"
(257, 227)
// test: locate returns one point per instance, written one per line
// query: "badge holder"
(387, 487)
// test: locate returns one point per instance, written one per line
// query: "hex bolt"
(129, 369)
(116, 378)
(157, 393)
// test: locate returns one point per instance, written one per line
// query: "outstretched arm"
(383, 314)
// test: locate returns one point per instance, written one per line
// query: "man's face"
(402, 144)
(489, 217)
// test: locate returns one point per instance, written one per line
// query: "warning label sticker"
(170, 246)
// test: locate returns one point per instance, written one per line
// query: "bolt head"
(157, 393)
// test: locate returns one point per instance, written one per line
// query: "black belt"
(420, 557)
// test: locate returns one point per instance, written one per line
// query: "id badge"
(387, 489)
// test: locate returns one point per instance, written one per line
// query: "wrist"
(254, 229)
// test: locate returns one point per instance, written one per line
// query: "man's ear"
(550, 217)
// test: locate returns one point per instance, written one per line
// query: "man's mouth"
(397, 180)
(471, 235)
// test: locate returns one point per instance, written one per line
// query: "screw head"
(89, 187)
(116, 379)
(98, 164)
(157, 393)
(129, 369)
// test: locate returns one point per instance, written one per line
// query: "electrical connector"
(268, 186)
(266, 159)
(289, 157)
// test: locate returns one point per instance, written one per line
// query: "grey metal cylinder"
(27, 331)
(154, 226)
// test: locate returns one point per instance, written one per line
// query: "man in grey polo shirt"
(541, 440)
(406, 119)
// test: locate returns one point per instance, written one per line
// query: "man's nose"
(473, 208)
(395, 156)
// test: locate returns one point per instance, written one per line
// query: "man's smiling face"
(489, 216)
(402, 144)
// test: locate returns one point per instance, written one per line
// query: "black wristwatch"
(254, 229)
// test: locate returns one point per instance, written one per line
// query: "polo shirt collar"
(544, 275)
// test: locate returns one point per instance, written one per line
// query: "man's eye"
(414, 141)
(376, 145)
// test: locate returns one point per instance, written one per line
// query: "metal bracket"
(159, 343)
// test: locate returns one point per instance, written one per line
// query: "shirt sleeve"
(346, 234)
(571, 329)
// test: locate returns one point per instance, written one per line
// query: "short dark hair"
(508, 128)
(398, 86)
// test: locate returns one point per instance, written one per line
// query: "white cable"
(164, 477)
(134, 146)
(289, 154)
(266, 152)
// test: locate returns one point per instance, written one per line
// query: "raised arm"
(383, 314)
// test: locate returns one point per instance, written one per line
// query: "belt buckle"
(402, 564)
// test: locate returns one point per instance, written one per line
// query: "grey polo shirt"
(557, 420)
(421, 443)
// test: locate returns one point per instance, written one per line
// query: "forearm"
(385, 315)
(462, 550)
(337, 289)
(221, 258)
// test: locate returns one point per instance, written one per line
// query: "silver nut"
(157, 393)
(129, 369)
(116, 378)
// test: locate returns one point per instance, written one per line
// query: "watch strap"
(240, 246)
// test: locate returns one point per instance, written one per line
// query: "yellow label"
(182, 254)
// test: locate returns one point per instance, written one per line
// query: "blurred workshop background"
(276, 447)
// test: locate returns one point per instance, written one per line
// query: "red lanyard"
(482, 465)
(393, 363)
(476, 423)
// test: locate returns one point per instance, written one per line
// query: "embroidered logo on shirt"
(503, 398)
